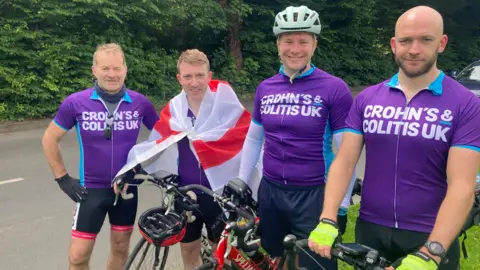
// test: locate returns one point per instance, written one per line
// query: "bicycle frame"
(225, 250)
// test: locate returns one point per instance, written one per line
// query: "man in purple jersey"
(194, 76)
(421, 131)
(297, 114)
(107, 120)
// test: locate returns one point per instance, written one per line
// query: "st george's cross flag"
(216, 139)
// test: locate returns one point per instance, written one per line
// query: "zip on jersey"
(95, 96)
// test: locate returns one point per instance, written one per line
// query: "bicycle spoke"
(150, 258)
(165, 255)
(143, 255)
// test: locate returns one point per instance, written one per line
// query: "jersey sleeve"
(257, 103)
(66, 116)
(355, 115)
(467, 131)
(150, 116)
(340, 106)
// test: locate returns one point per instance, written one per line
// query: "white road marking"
(11, 181)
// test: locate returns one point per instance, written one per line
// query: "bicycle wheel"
(146, 258)
(206, 249)
(210, 266)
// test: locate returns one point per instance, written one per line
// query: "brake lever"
(169, 202)
(122, 192)
(120, 185)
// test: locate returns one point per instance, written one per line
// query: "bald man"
(421, 131)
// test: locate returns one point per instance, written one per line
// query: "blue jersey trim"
(308, 73)
(436, 87)
(95, 95)
(81, 166)
(474, 148)
(328, 154)
(58, 125)
(127, 97)
(342, 211)
(352, 131)
(256, 122)
(446, 123)
(340, 130)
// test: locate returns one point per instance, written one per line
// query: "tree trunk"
(234, 43)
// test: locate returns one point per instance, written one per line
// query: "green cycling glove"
(325, 233)
(418, 261)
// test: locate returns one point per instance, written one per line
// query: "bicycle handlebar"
(359, 256)
(169, 182)
(227, 203)
(355, 254)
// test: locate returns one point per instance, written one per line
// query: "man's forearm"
(54, 158)
(452, 214)
(335, 191)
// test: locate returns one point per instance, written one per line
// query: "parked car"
(469, 77)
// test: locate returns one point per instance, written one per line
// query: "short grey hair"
(108, 47)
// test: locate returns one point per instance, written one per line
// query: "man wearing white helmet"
(297, 114)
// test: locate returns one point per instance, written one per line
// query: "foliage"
(46, 47)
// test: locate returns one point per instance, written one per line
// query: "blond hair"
(109, 48)
(193, 57)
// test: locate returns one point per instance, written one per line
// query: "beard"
(425, 68)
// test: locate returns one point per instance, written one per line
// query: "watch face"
(436, 248)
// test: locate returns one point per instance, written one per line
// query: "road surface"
(36, 216)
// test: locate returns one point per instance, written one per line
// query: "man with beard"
(422, 139)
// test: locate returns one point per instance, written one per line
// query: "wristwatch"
(435, 248)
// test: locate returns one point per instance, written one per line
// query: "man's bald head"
(420, 17)
(418, 40)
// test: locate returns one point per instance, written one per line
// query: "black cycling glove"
(71, 186)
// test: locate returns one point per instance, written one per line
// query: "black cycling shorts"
(393, 243)
(90, 214)
(210, 214)
(287, 209)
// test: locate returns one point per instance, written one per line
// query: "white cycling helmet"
(297, 19)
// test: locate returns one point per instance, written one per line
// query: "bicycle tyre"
(136, 251)
(210, 266)
(205, 249)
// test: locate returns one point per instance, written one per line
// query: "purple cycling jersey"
(101, 158)
(407, 146)
(299, 120)
(189, 169)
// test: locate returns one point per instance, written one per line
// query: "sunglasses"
(107, 133)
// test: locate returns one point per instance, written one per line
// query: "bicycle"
(241, 225)
(360, 256)
(243, 249)
(241, 246)
(169, 185)
(233, 241)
